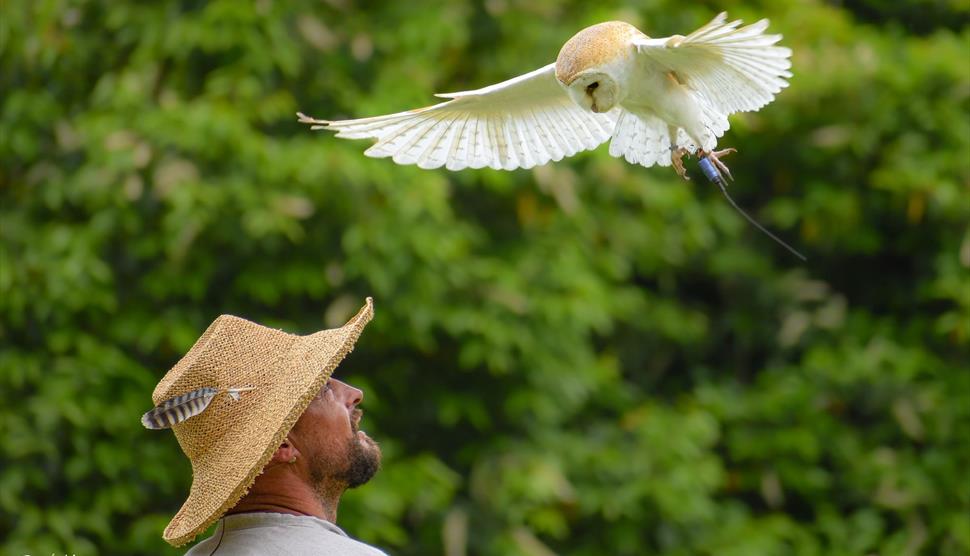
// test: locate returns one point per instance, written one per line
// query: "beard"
(361, 462)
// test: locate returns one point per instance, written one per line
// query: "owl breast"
(594, 47)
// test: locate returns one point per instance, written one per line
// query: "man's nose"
(354, 395)
(350, 395)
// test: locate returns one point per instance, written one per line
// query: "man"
(270, 458)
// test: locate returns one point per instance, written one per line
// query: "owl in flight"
(655, 100)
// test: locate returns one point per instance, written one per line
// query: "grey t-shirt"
(258, 534)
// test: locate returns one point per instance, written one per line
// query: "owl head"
(594, 90)
(589, 62)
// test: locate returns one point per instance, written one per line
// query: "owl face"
(594, 90)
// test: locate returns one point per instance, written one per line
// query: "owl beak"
(595, 108)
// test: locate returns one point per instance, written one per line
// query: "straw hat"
(233, 437)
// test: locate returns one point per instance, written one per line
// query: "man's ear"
(286, 453)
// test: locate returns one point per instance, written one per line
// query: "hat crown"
(228, 350)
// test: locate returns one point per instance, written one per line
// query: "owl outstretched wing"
(736, 69)
(520, 123)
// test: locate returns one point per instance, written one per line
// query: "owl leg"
(676, 158)
(714, 156)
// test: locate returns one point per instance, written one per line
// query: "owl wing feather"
(642, 139)
(519, 123)
(734, 68)
(645, 139)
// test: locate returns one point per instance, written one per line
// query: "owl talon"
(714, 157)
(676, 158)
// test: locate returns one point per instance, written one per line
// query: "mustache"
(355, 417)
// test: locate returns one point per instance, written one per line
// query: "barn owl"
(656, 100)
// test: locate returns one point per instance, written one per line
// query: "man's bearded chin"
(362, 462)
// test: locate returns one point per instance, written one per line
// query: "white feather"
(735, 69)
(520, 123)
(645, 139)
(641, 139)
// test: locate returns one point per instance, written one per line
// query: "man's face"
(337, 451)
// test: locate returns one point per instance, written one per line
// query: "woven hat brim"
(222, 478)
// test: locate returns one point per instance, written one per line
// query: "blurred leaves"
(586, 358)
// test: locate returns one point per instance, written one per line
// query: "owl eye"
(592, 86)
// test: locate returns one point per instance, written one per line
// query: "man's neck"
(282, 491)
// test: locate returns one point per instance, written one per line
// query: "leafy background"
(586, 358)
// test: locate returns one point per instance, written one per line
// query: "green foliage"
(587, 358)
